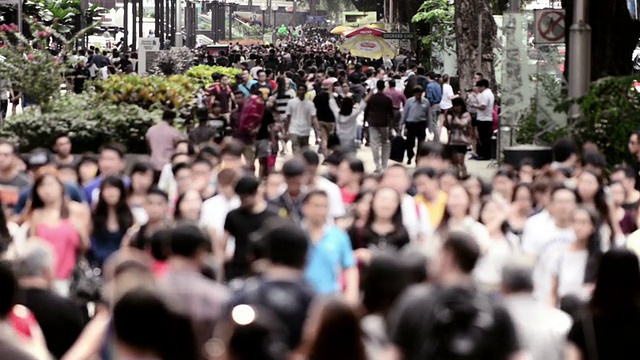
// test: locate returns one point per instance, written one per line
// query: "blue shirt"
(92, 190)
(73, 190)
(246, 89)
(434, 92)
(415, 111)
(327, 258)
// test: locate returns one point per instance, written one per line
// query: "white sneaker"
(430, 135)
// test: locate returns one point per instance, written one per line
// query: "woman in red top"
(350, 173)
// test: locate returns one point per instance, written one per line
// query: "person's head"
(47, 190)
(386, 279)
(224, 80)
(459, 106)
(565, 151)
(517, 276)
(188, 206)
(239, 97)
(231, 155)
(523, 200)
(475, 187)
(634, 143)
(262, 76)
(112, 192)
(503, 182)
(189, 242)
(180, 157)
(211, 154)
(142, 177)
(417, 92)
(312, 161)
(589, 186)
(380, 85)
(182, 174)
(87, 169)
(302, 91)
(111, 160)
(430, 154)
(37, 159)
(526, 171)
(593, 160)
(295, 175)
(586, 223)
(477, 77)
(395, 177)
(370, 182)
(426, 181)
(8, 155)
(226, 182)
(386, 205)
(448, 179)
(458, 203)
(169, 116)
(286, 245)
(392, 83)
(201, 172)
(315, 207)
(458, 256)
(333, 331)
(617, 290)
(247, 188)
(36, 260)
(156, 205)
(246, 77)
(346, 88)
(563, 203)
(618, 193)
(62, 145)
(626, 175)
(9, 289)
(350, 171)
(482, 84)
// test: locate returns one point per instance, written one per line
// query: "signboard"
(398, 36)
(10, 2)
(549, 26)
(148, 49)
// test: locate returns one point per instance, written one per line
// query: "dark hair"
(355, 165)
(380, 85)
(59, 136)
(386, 279)
(430, 148)
(526, 162)
(313, 194)
(416, 265)
(8, 289)
(600, 201)
(187, 239)
(425, 171)
(526, 186)
(203, 161)
(160, 244)
(233, 148)
(139, 168)
(177, 213)
(158, 192)
(178, 167)
(123, 212)
(399, 230)
(628, 171)
(311, 157)
(286, 245)
(36, 201)
(392, 83)
(115, 147)
(209, 150)
(593, 158)
(459, 102)
(483, 83)
(417, 90)
(563, 149)
(464, 248)
(617, 290)
(261, 339)
(339, 335)
(594, 248)
(281, 83)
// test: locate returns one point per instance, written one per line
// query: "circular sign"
(551, 26)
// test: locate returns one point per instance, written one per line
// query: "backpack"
(251, 115)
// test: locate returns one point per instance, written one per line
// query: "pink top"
(65, 240)
(397, 97)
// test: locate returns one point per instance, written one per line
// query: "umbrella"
(368, 46)
(341, 30)
(364, 31)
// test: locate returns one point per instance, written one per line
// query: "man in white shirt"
(301, 117)
(214, 210)
(316, 182)
(546, 234)
(484, 122)
(415, 216)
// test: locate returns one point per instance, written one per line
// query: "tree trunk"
(467, 26)
(614, 35)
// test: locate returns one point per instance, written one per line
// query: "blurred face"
(489, 211)
(476, 78)
(88, 171)
(345, 88)
(434, 162)
(245, 76)
(182, 148)
(426, 186)
(110, 163)
(7, 157)
(633, 144)
(274, 183)
(385, 203)
(262, 77)
(473, 187)
(316, 209)
(142, 181)
(396, 178)
(156, 207)
(224, 80)
(523, 200)
(369, 184)
(381, 75)
(50, 189)
(239, 99)
(248, 202)
(345, 175)
(617, 176)
(503, 185)
(618, 195)
(190, 205)
(63, 146)
(183, 180)
(200, 176)
(294, 184)
(458, 202)
(582, 225)
(526, 174)
(302, 91)
(587, 186)
(363, 206)
(447, 181)
(111, 195)
(563, 203)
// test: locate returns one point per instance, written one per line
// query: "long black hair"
(594, 246)
(101, 212)
(617, 290)
(600, 202)
(400, 232)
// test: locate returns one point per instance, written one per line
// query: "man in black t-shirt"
(263, 142)
(452, 319)
(281, 289)
(325, 104)
(241, 223)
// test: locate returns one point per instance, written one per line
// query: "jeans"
(415, 130)
(348, 145)
(379, 137)
(434, 112)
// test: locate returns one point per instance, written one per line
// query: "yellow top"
(435, 208)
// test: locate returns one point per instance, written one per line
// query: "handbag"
(86, 280)
(398, 148)
(444, 131)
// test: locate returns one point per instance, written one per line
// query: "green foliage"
(172, 62)
(88, 123)
(439, 15)
(60, 14)
(150, 92)
(202, 73)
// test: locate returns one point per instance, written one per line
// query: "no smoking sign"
(549, 26)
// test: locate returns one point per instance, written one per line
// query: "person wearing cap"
(379, 115)
(415, 118)
(241, 223)
(326, 107)
(37, 159)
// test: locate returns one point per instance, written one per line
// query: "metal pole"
(479, 65)
(263, 17)
(134, 16)
(230, 22)
(179, 21)
(140, 17)
(579, 56)
(126, 24)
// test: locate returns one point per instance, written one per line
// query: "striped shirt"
(282, 100)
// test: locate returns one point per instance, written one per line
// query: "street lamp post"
(274, 8)
(263, 7)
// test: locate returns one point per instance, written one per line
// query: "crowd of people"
(198, 253)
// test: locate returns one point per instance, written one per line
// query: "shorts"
(299, 143)
(326, 128)
(263, 148)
